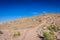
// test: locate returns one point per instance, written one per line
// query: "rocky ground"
(42, 27)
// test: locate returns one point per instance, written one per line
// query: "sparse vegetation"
(48, 36)
(49, 32)
(52, 28)
(1, 32)
(30, 27)
(58, 28)
(14, 28)
(40, 20)
(16, 34)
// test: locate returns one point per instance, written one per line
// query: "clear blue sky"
(13, 9)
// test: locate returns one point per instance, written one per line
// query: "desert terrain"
(34, 28)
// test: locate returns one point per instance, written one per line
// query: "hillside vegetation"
(41, 27)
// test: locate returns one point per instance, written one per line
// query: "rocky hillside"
(41, 27)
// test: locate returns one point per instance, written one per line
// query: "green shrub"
(52, 28)
(16, 33)
(58, 28)
(48, 36)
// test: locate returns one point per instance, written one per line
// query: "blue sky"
(14, 9)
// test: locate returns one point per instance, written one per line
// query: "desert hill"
(30, 28)
(32, 22)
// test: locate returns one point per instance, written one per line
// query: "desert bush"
(58, 28)
(16, 34)
(1, 32)
(52, 28)
(40, 20)
(48, 36)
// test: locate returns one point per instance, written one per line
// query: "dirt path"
(32, 34)
(26, 34)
